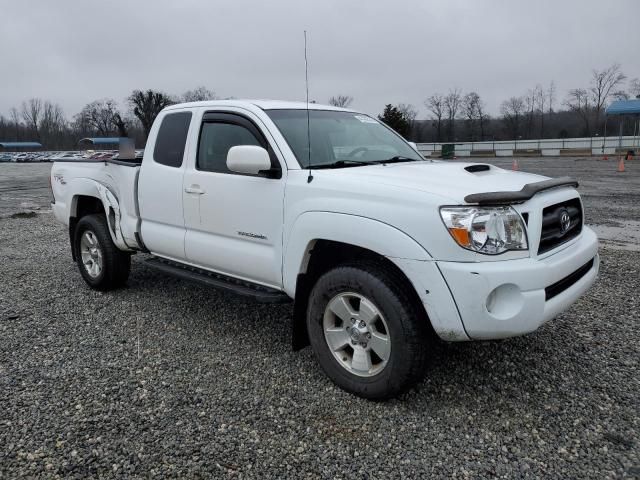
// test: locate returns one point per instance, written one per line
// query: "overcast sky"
(393, 51)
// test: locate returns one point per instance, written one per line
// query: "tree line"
(453, 116)
(458, 116)
(41, 120)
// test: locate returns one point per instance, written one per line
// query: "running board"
(259, 293)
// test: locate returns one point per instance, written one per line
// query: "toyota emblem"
(565, 221)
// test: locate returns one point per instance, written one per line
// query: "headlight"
(488, 230)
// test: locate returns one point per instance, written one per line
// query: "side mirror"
(248, 159)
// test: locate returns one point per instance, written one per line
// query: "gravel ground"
(23, 187)
(171, 379)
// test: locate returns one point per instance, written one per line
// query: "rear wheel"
(368, 333)
(102, 265)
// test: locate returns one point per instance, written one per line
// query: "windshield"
(340, 138)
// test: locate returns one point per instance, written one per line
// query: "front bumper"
(507, 298)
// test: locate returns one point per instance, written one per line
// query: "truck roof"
(262, 104)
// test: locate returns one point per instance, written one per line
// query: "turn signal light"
(461, 235)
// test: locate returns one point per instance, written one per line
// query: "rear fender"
(91, 188)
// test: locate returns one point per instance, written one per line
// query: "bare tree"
(147, 105)
(31, 111)
(603, 84)
(469, 112)
(541, 105)
(410, 113)
(532, 102)
(121, 125)
(451, 106)
(634, 88)
(483, 118)
(100, 116)
(52, 117)
(15, 119)
(473, 111)
(512, 111)
(342, 101)
(551, 95)
(14, 114)
(52, 124)
(199, 94)
(435, 104)
(579, 101)
(408, 110)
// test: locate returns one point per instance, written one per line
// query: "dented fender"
(113, 214)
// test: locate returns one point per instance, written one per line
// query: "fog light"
(505, 301)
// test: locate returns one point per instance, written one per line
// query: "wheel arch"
(92, 197)
(369, 234)
(320, 241)
(80, 206)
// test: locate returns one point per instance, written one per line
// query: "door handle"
(195, 189)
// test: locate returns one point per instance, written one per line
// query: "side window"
(171, 139)
(216, 138)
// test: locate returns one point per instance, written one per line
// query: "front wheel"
(369, 335)
(102, 265)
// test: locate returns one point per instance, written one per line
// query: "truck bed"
(114, 180)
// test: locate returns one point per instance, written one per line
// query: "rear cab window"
(172, 139)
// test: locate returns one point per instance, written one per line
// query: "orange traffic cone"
(515, 166)
(606, 157)
(621, 164)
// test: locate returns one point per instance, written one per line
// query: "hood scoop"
(477, 168)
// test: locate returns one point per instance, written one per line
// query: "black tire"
(406, 321)
(116, 264)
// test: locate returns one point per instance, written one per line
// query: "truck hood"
(449, 180)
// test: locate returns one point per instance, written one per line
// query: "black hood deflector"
(527, 192)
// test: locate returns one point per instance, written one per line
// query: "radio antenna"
(306, 82)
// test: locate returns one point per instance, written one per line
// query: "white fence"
(545, 147)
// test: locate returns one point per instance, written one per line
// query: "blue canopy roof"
(624, 107)
(20, 145)
(101, 140)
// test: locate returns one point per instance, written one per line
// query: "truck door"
(238, 228)
(160, 185)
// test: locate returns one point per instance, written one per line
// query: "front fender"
(406, 253)
(354, 230)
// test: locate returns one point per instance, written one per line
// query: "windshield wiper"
(342, 164)
(397, 159)
(355, 163)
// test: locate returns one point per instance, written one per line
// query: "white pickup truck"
(381, 250)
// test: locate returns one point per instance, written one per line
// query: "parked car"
(102, 156)
(67, 156)
(37, 157)
(21, 157)
(380, 250)
(138, 155)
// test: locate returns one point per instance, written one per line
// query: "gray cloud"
(73, 51)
